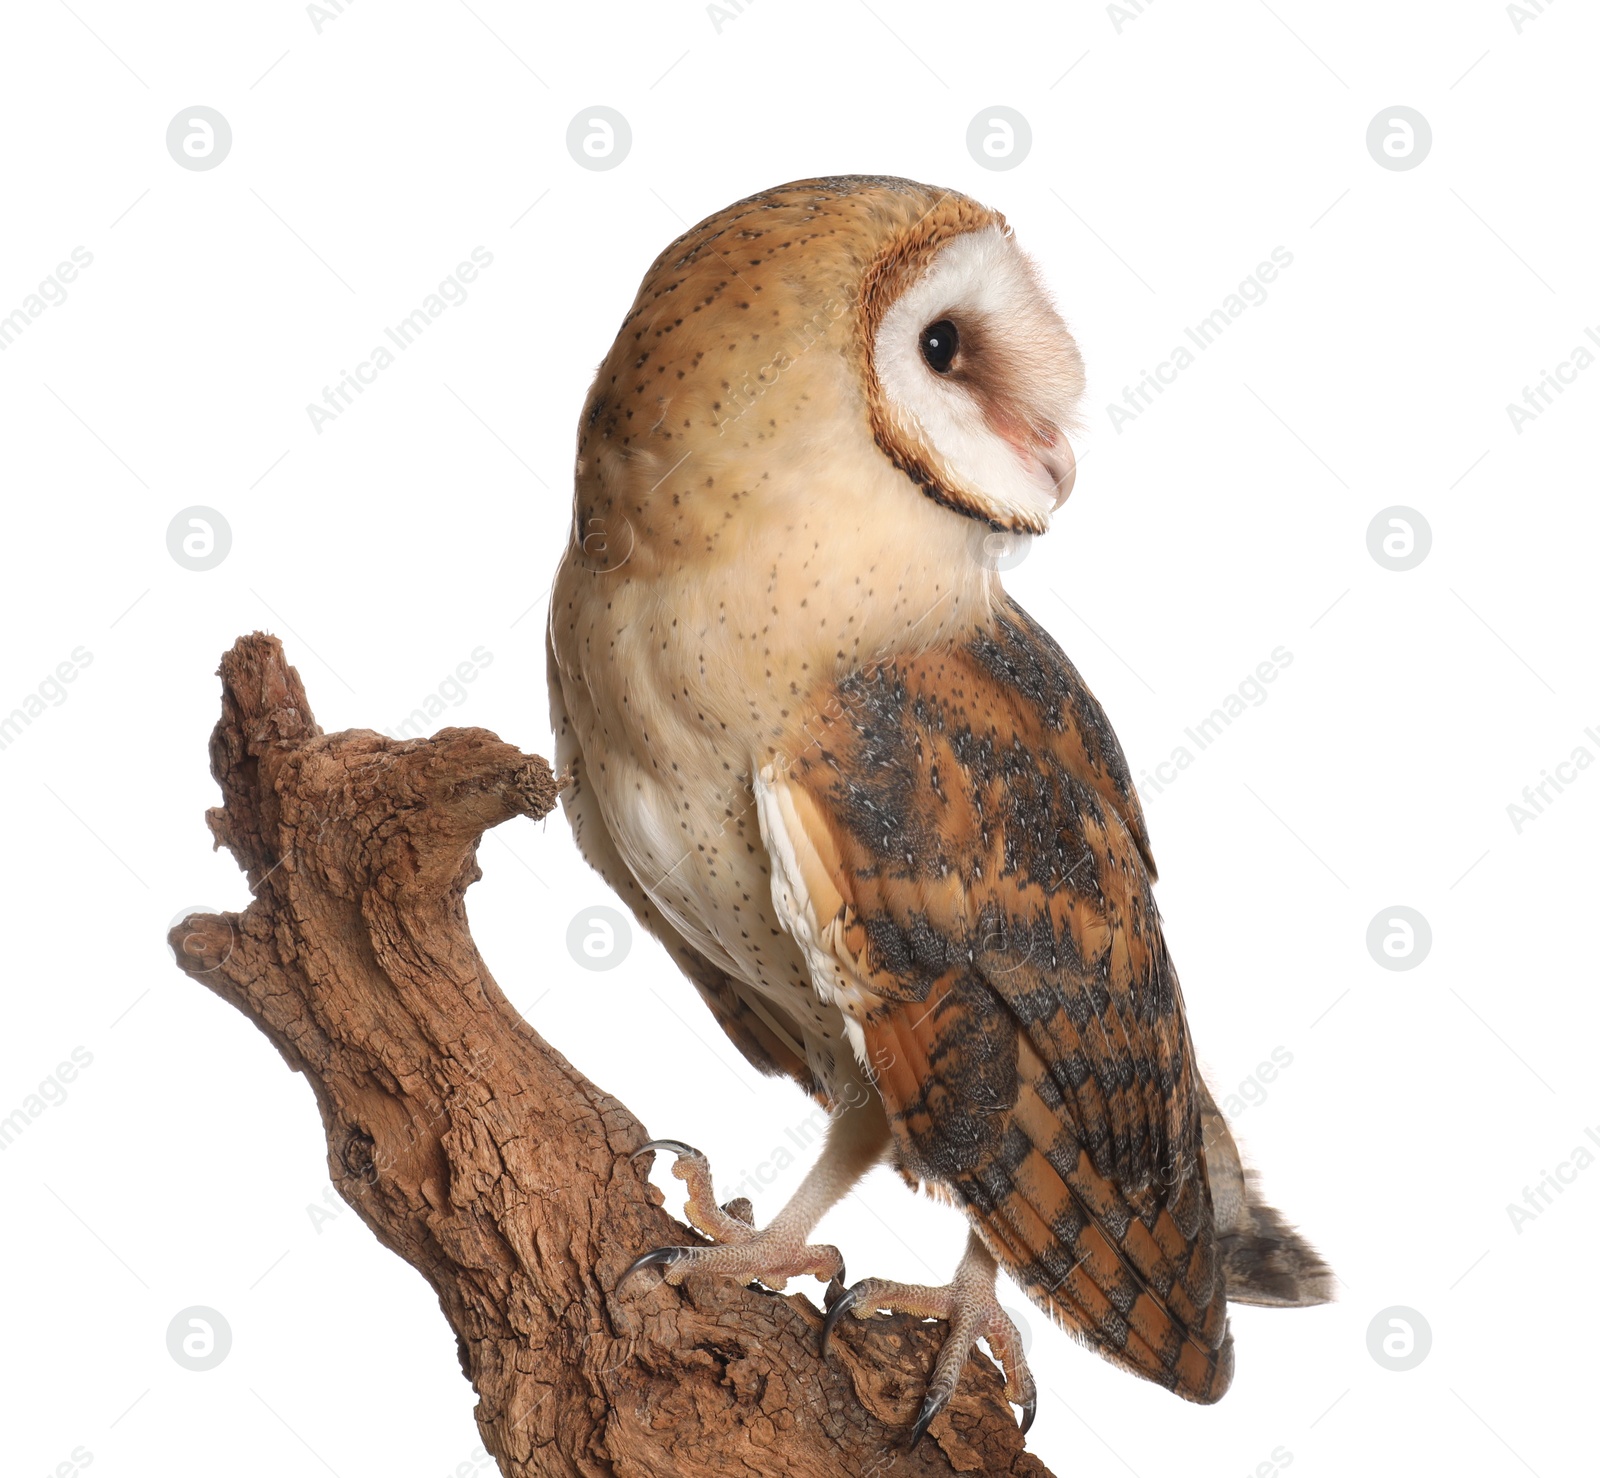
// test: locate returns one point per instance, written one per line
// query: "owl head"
(822, 329)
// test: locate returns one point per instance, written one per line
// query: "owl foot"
(968, 1302)
(770, 1256)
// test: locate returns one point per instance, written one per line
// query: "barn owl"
(865, 801)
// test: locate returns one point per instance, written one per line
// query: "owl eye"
(939, 342)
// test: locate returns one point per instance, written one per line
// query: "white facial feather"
(984, 283)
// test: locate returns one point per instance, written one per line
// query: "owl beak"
(1061, 467)
(1045, 453)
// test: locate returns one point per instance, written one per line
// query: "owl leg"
(968, 1301)
(773, 1254)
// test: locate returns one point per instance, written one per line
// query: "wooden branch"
(476, 1152)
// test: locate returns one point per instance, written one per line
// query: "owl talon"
(839, 1304)
(772, 1255)
(661, 1257)
(932, 1404)
(677, 1146)
(969, 1304)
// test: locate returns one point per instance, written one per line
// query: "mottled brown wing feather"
(975, 857)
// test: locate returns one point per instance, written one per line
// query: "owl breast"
(669, 792)
(677, 686)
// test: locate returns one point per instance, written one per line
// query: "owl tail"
(1264, 1260)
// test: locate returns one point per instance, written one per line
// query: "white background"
(1169, 157)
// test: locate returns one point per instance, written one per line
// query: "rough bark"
(476, 1152)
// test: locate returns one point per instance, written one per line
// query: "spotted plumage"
(868, 805)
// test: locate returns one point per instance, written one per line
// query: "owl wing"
(960, 853)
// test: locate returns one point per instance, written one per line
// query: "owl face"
(974, 381)
(856, 359)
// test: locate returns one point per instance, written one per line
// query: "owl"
(865, 801)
